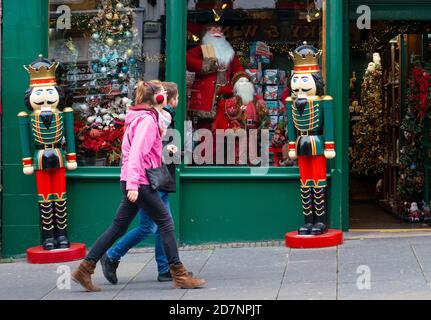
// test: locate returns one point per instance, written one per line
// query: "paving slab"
(386, 290)
(145, 286)
(308, 291)
(129, 267)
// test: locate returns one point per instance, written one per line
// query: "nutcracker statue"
(45, 131)
(311, 136)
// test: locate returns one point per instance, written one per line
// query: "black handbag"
(161, 179)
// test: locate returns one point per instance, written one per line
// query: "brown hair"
(171, 89)
(145, 92)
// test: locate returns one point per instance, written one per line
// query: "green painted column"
(176, 45)
(25, 35)
(337, 61)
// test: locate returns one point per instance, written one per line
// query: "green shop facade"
(212, 204)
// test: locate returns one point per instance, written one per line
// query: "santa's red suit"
(204, 87)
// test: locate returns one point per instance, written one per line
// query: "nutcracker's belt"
(311, 133)
(48, 146)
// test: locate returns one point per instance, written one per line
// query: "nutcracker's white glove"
(28, 170)
(293, 155)
(330, 154)
(71, 165)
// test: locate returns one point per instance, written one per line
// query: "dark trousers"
(150, 201)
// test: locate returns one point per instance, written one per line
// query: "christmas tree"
(367, 152)
(114, 50)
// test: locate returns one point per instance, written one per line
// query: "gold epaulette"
(68, 109)
(23, 114)
(289, 99)
(326, 98)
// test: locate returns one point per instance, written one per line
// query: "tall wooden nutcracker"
(311, 136)
(48, 148)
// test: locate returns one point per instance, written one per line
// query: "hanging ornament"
(104, 60)
(121, 75)
(129, 52)
(119, 6)
(121, 27)
(128, 34)
(95, 36)
(125, 69)
(104, 69)
(132, 61)
(110, 42)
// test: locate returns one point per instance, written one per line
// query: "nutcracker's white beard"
(223, 49)
(245, 90)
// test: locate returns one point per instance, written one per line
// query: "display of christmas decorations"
(412, 154)
(114, 71)
(367, 156)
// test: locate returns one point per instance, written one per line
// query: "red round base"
(37, 255)
(331, 239)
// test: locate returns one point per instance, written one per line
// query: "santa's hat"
(239, 75)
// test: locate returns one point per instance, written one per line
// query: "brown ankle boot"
(182, 279)
(82, 275)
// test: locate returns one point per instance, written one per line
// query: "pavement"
(372, 267)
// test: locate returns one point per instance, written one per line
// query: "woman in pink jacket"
(142, 149)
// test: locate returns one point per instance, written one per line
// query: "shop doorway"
(390, 113)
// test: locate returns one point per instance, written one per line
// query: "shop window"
(105, 47)
(240, 122)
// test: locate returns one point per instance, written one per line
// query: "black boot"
(321, 224)
(307, 207)
(109, 268)
(46, 210)
(61, 240)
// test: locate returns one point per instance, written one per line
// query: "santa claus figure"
(214, 64)
(245, 110)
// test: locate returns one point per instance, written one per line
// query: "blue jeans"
(147, 226)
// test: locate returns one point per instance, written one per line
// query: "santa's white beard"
(223, 49)
(244, 90)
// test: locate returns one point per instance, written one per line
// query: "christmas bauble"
(110, 42)
(104, 69)
(95, 36)
(128, 34)
(113, 72)
(132, 61)
(125, 69)
(121, 75)
(103, 60)
(129, 52)
(119, 6)
(95, 67)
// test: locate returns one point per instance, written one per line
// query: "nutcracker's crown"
(306, 59)
(42, 72)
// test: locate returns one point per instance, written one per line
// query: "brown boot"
(82, 275)
(182, 279)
